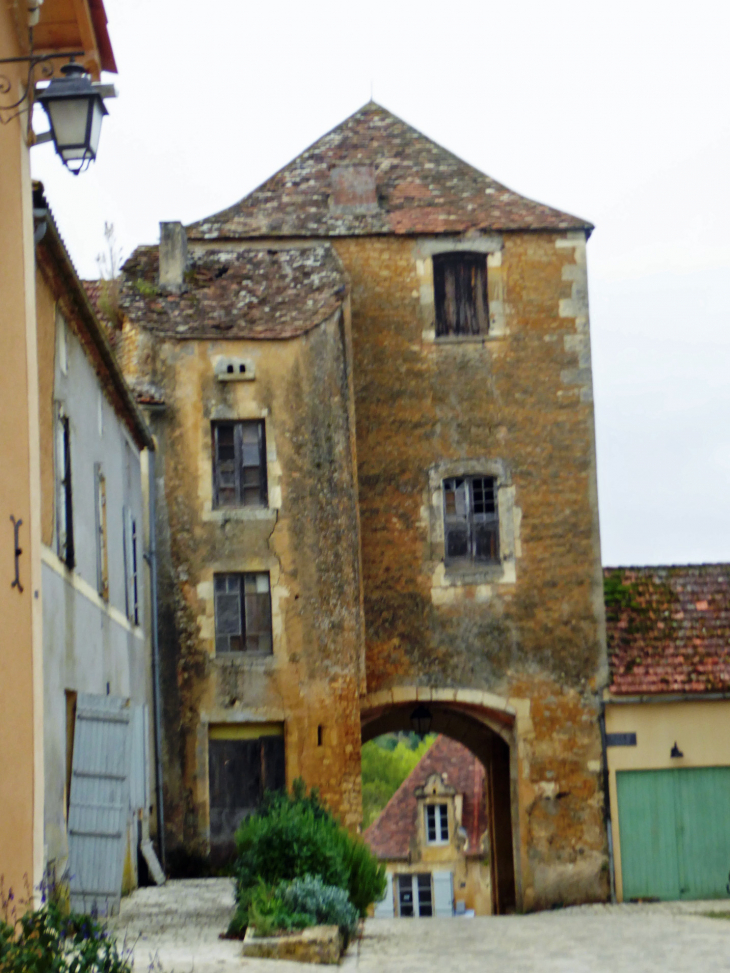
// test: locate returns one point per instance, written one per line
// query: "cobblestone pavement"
(177, 927)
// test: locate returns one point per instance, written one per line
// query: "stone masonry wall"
(517, 405)
(307, 540)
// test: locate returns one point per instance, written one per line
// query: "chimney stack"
(173, 257)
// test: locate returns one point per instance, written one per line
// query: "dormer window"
(460, 294)
(437, 824)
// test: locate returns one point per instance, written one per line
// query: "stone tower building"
(370, 383)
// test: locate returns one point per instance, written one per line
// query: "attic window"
(460, 293)
(353, 190)
(437, 824)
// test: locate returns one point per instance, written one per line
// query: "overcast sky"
(617, 112)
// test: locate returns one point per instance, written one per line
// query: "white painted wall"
(89, 644)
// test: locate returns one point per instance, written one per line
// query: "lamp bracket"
(47, 68)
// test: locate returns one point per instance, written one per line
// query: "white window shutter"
(443, 894)
(384, 909)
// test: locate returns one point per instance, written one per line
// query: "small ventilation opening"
(230, 369)
(242, 368)
(319, 736)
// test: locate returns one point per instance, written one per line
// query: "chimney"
(173, 257)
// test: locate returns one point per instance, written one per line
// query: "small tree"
(109, 262)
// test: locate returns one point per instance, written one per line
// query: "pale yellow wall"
(21, 730)
(700, 729)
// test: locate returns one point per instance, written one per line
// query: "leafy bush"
(366, 882)
(270, 913)
(47, 940)
(293, 836)
(328, 905)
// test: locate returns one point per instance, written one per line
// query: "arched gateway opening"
(484, 724)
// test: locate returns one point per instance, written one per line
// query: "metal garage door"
(675, 832)
(99, 804)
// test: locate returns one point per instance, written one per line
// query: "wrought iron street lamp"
(75, 109)
(74, 105)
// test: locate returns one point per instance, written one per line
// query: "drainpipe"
(607, 800)
(156, 697)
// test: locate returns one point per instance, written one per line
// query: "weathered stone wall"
(307, 539)
(518, 405)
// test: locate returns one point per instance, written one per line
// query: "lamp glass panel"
(97, 110)
(69, 118)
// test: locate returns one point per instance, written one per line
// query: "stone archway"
(485, 725)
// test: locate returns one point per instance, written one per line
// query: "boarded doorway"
(244, 761)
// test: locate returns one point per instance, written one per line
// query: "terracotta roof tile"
(668, 629)
(420, 187)
(391, 834)
(250, 293)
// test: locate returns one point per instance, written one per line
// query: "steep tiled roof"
(668, 629)
(391, 833)
(237, 293)
(419, 187)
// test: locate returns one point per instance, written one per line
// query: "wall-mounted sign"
(620, 739)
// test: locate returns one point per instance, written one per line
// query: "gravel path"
(175, 929)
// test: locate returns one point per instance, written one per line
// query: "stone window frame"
(424, 252)
(213, 514)
(501, 572)
(443, 813)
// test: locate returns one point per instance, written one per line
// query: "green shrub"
(328, 905)
(270, 913)
(366, 878)
(47, 940)
(291, 836)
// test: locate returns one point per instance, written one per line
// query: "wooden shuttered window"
(64, 493)
(471, 519)
(239, 464)
(243, 613)
(460, 294)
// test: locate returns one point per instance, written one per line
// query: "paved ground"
(175, 929)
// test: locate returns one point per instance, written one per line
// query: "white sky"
(617, 112)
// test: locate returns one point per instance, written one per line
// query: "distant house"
(433, 836)
(668, 730)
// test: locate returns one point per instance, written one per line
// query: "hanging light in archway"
(421, 720)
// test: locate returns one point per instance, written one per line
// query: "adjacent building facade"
(98, 699)
(49, 27)
(434, 838)
(400, 468)
(668, 730)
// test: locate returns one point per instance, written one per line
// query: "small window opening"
(460, 294)
(437, 824)
(471, 519)
(239, 464)
(230, 369)
(243, 613)
(242, 369)
(319, 736)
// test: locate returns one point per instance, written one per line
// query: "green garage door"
(675, 832)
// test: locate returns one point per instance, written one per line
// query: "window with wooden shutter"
(239, 464)
(102, 548)
(243, 613)
(64, 493)
(471, 519)
(460, 294)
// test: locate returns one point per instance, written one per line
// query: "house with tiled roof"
(433, 836)
(370, 384)
(667, 723)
